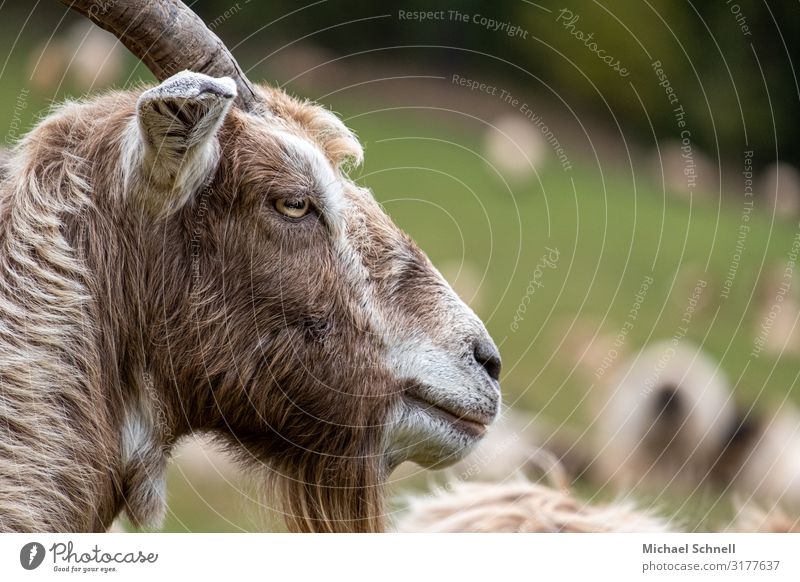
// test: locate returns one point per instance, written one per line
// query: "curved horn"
(168, 37)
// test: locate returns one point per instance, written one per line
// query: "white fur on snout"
(444, 377)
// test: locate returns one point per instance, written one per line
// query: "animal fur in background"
(522, 507)
(525, 507)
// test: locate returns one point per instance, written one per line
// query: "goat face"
(344, 338)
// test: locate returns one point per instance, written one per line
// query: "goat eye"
(293, 207)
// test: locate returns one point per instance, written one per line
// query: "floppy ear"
(178, 121)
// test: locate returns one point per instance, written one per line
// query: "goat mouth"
(473, 424)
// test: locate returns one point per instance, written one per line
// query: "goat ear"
(178, 120)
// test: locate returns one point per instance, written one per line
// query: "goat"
(193, 258)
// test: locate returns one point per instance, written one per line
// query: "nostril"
(486, 354)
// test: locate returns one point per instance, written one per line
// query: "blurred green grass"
(611, 229)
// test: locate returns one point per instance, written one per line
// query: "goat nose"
(488, 357)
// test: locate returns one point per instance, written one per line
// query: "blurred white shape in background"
(514, 146)
(667, 415)
(684, 169)
(770, 471)
(779, 186)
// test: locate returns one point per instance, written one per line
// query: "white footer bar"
(408, 557)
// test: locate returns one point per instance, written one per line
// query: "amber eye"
(293, 207)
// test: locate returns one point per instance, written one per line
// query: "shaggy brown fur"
(151, 292)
